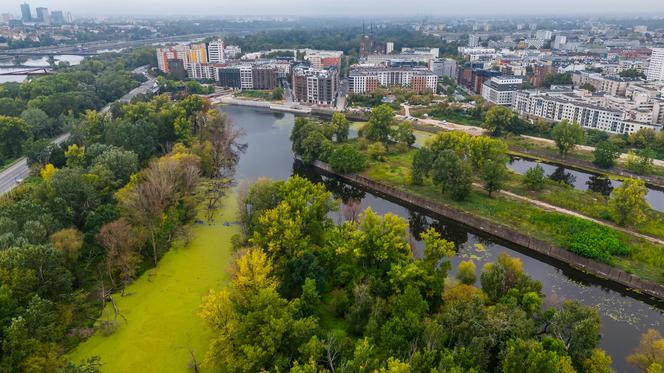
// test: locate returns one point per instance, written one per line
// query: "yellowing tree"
(628, 202)
(650, 352)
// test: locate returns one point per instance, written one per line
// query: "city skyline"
(347, 7)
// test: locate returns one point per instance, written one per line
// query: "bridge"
(30, 72)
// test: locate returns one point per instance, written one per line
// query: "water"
(582, 180)
(625, 316)
(6, 66)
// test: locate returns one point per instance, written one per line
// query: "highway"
(18, 171)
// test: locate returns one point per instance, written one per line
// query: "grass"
(645, 259)
(162, 306)
(262, 95)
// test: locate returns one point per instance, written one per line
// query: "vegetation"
(628, 202)
(352, 297)
(605, 154)
(83, 228)
(649, 356)
(497, 120)
(558, 79)
(632, 73)
(533, 179)
(567, 136)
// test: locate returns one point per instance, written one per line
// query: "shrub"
(347, 159)
(533, 179)
(376, 151)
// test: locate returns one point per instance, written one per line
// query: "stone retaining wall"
(584, 264)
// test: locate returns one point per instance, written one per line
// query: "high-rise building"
(43, 16)
(543, 34)
(473, 41)
(216, 51)
(197, 53)
(501, 90)
(315, 86)
(656, 67)
(26, 14)
(444, 67)
(389, 47)
(57, 17)
(180, 52)
(559, 41)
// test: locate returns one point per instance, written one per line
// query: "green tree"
(421, 166)
(605, 154)
(452, 174)
(277, 94)
(567, 135)
(578, 327)
(41, 125)
(11, 107)
(641, 162)
(403, 134)
(13, 132)
(493, 175)
(534, 178)
(497, 119)
(531, 356)
(376, 151)
(121, 163)
(347, 159)
(380, 123)
(632, 73)
(628, 203)
(466, 272)
(341, 127)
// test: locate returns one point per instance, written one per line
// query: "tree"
(11, 107)
(577, 327)
(421, 165)
(632, 73)
(505, 274)
(347, 159)
(341, 127)
(277, 94)
(497, 119)
(641, 162)
(121, 163)
(376, 151)
(13, 132)
(533, 179)
(558, 79)
(40, 124)
(605, 154)
(452, 174)
(403, 134)
(650, 352)
(68, 242)
(466, 272)
(121, 242)
(531, 356)
(598, 362)
(566, 135)
(380, 122)
(589, 87)
(493, 175)
(628, 203)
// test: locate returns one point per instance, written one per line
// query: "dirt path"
(561, 210)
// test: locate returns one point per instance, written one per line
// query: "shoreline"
(593, 267)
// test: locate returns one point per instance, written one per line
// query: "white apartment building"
(557, 106)
(202, 71)
(656, 67)
(216, 51)
(232, 51)
(501, 90)
(389, 47)
(444, 67)
(246, 77)
(363, 80)
(543, 34)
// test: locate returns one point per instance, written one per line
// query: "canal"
(624, 315)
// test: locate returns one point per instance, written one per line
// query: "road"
(18, 171)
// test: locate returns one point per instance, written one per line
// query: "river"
(625, 316)
(6, 67)
(582, 180)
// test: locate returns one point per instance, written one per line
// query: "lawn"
(163, 327)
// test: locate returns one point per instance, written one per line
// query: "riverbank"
(162, 331)
(539, 246)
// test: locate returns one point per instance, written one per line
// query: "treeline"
(92, 220)
(346, 39)
(311, 296)
(39, 109)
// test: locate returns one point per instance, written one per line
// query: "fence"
(573, 260)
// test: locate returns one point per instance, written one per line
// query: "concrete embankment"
(285, 108)
(593, 267)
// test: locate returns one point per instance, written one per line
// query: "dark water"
(582, 180)
(625, 316)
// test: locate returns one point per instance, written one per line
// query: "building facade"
(315, 86)
(216, 52)
(501, 90)
(361, 80)
(656, 67)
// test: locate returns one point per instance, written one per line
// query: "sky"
(502, 8)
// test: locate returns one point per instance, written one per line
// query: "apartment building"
(367, 79)
(501, 90)
(202, 71)
(216, 51)
(321, 59)
(564, 105)
(197, 53)
(612, 85)
(177, 52)
(656, 67)
(444, 67)
(264, 77)
(314, 86)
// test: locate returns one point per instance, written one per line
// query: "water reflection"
(601, 185)
(561, 175)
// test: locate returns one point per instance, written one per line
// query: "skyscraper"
(43, 15)
(26, 14)
(57, 17)
(656, 67)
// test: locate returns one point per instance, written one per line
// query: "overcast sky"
(503, 8)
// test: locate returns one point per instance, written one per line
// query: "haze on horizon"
(502, 8)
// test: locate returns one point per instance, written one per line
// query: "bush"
(376, 151)
(347, 159)
(605, 154)
(533, 179)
